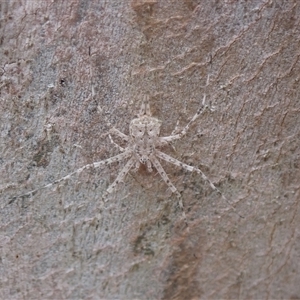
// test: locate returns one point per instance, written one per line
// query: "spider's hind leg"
(178, 163)
(119, 157)
(120, 178)
(166, 179)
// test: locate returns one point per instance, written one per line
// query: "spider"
(143, 143)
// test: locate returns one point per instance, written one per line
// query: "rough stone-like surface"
(70, 70)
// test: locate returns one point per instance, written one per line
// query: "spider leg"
(108, 161)
(166, 179)
(120, 177)
(145, 107)
(179, 135)
(115, 144)
(178, 163)
(176, 128)
(119, 134)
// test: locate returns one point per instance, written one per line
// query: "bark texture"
(70, 70)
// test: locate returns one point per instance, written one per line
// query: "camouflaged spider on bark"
(143, 143)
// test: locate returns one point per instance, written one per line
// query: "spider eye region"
(153, 127)
(137, 129)
(143, 159)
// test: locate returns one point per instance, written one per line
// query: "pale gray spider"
(143, 142)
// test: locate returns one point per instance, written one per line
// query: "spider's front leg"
(115, 144)
(121, 135)
(183, 132)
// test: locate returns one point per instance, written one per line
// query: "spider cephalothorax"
(144, 132)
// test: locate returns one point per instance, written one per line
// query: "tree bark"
(71, 70)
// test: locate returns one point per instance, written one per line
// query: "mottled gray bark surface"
(70, 70)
